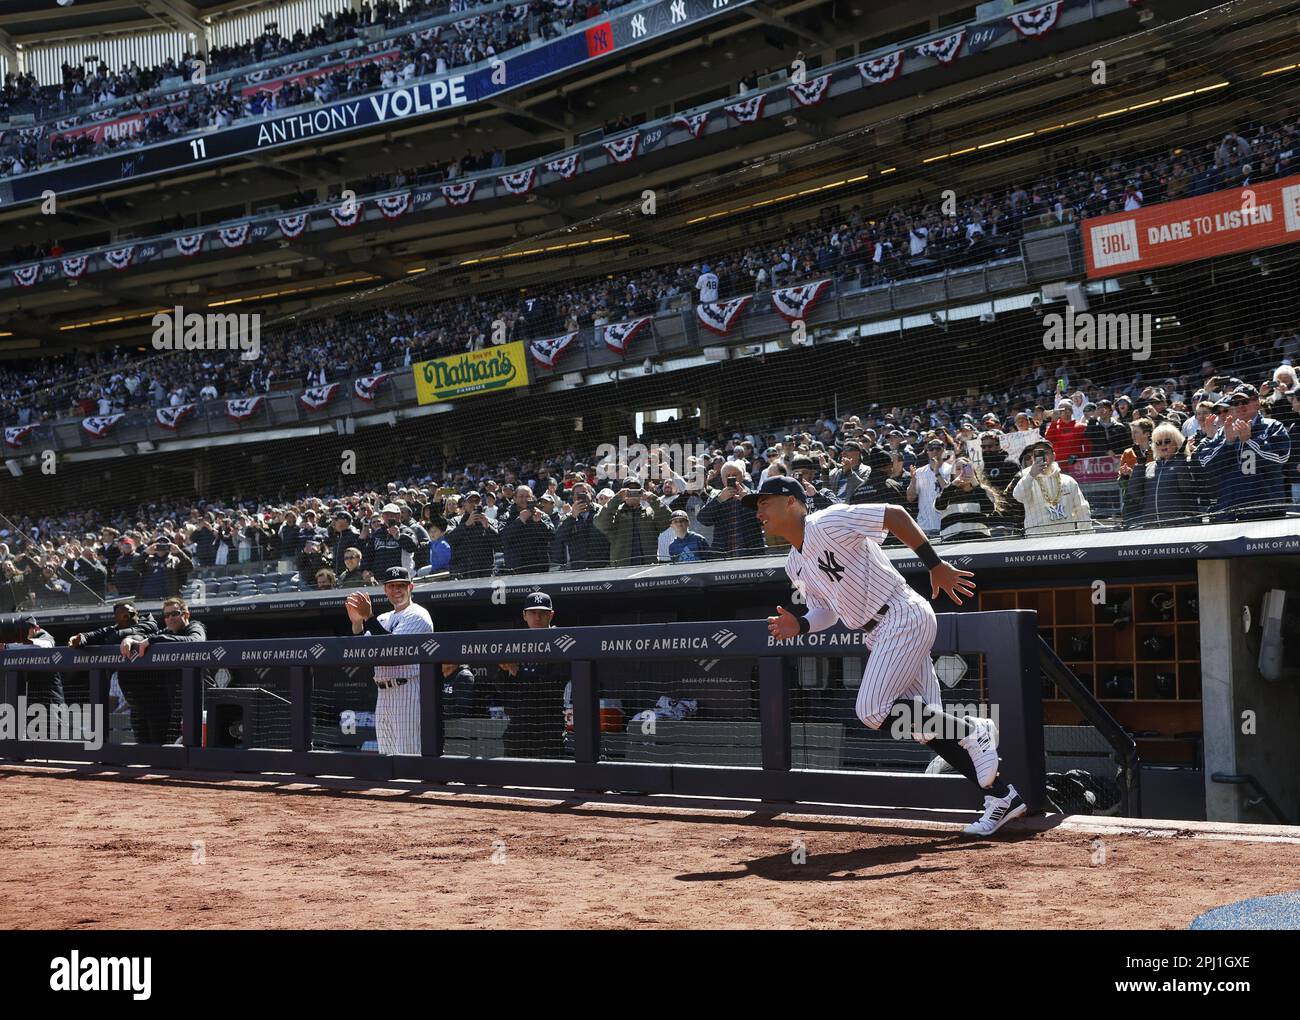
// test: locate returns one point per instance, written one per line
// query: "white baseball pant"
(899, 665)
(397, 718)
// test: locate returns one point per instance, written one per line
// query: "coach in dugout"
(532, 694)
(154, 694)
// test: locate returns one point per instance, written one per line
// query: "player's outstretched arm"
(944, 577)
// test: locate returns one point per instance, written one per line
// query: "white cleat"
(982, 746)
(997, 812)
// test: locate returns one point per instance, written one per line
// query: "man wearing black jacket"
(345, 536)
(1106, 435)
(532, 694)
(578, 542)
(389, 542)
(154, 695)
(526, 537)
(474, 541)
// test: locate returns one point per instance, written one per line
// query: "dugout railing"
(1006, 639)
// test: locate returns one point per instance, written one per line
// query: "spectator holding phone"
(736, 531)
(633, 521)
(966, 505)
(927, 481)
(526, 536)
(1053, 502)
(1067, 434)
(165, 568)
(474, 541)
(578, 542)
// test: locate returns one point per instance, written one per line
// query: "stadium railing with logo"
(1006, 639)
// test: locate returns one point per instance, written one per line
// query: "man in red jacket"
(1066, 435)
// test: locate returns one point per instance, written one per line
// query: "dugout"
(1151, 624)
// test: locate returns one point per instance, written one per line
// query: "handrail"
(1246, 779)
(1093, 711)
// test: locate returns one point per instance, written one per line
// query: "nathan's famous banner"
(1222, 222)
(460, 375)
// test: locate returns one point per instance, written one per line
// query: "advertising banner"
(1223, 222)
(461, 375)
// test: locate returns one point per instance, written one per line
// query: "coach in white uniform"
(397, 706)
(836, 561)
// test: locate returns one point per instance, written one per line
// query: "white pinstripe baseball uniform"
(845, 575)
(397, 709)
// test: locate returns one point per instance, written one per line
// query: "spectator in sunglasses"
(1164, 488)
(927, 481)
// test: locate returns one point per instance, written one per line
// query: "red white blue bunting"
(393, 206)
(546, 351)
(792, 303)
(171, 417)
(16, 435)
(243, 408)
(944, 49)
(718, 316)
(565, 166)
(619, 334)
(346, 215)
(234, 237)
(74, 266)
(623, 150)
(27, 275)
(882, 69)
(189, 245)
(694, 122)
(1038, 21)
(748, 110)
(466, 25)
(318, 396)
(459, 193)
(100, 424)
(366, 386)
(120, 258)
(292, 226)
(520, 182)
(811, 92)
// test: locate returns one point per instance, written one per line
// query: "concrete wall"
(1232, 686)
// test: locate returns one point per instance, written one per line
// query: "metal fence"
(788, 765)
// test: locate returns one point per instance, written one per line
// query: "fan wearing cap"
(532, 694)
(344, 536)
(1053, 502)
(390, 541)
(397, 702)
(1066, 434)
(679, 544)
(837, 566)
(1245, 459)
(41, 688)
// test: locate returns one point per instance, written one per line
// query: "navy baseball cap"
(397, 574)
(781, 485)
(538, 600)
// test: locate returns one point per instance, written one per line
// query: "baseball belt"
(398, 682)
(871, 624)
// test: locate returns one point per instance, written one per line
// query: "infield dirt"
(103, 849)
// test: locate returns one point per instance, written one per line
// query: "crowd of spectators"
(862, 247)
(1000, 464)
(324, 79)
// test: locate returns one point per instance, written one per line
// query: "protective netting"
(873, 311)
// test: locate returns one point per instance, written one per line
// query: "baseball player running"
(397, 706)
(836, 561)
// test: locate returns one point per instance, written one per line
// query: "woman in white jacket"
(1054, 504)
